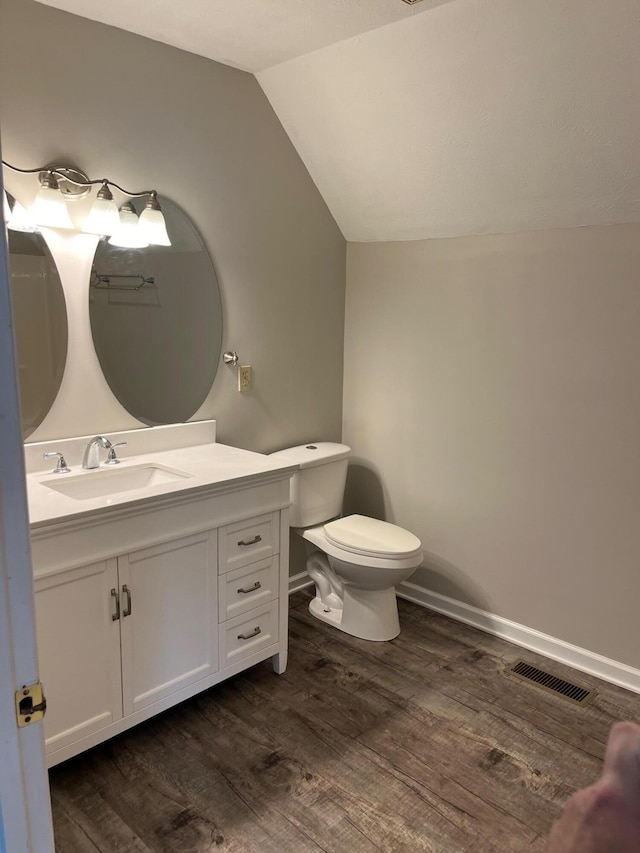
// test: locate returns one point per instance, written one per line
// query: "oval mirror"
(40, 324)
(156, 321)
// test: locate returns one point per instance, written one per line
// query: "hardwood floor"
(420, 744)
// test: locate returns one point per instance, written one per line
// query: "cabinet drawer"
(247, 634)
(248, 541)
(247, 587)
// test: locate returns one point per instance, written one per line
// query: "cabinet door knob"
(257, 630)
(114, 595)
(127, 608)
(257, 585)
(257, 538)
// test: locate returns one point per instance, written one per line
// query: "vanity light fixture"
(22, 220)
(60, 183)
(152, 222)
(49, 208)
(128, 234)
(17, 217)
(103, 217)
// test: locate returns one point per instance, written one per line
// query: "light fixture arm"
(76, 177)
(126, 192)
(24, 171)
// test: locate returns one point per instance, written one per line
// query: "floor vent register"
(547, 681)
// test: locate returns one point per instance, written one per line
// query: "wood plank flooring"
(420, 744)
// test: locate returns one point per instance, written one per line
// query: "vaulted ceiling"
(445, 118)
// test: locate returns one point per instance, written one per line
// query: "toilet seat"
(359, 534)
(318, 537)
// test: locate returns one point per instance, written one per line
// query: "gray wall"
(492, 399)
(204, 135)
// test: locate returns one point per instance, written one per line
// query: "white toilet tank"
(317, 489)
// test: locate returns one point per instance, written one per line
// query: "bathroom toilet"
(354, 561)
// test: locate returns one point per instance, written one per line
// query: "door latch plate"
(31, 704)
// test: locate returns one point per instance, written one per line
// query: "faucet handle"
(61, 465)
(112, 459)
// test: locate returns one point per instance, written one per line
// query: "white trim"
(528, 638)
(581, 659)
(298, 582)
(24, 785)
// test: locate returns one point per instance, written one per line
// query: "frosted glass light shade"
(128, 234)
(103, 218)
(21, 219)
(153, 227)
(18, 219)
(50, 210)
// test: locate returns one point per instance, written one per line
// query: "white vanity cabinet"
(144, 605)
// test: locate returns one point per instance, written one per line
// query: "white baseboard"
(299, 581)
(528, 638)
(582, 659)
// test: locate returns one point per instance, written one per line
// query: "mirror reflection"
(156, 321)
(40, 324)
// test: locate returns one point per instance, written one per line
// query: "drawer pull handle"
(257, 585)
(257, 630)
(257, 538)
(114, 594)
(127, 610)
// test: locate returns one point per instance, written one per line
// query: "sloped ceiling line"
(440, 119)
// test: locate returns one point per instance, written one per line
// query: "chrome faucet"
(92, 454)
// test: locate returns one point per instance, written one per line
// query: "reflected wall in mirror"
(40, 325)
(156, 321)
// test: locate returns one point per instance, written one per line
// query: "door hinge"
(31, 704)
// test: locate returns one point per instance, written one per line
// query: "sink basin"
(105, 482)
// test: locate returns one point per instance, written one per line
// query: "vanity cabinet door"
(79, 651)
(169, 618)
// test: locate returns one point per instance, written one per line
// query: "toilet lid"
(364, 535)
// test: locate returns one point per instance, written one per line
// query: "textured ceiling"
(441, 119)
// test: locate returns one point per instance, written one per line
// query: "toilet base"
(370, 614)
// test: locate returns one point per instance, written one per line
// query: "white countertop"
(209, 466)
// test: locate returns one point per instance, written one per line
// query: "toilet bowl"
(355, 561)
